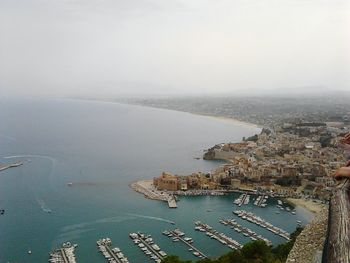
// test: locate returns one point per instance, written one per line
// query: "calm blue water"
(102, 147)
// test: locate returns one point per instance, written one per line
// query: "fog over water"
(111, 48)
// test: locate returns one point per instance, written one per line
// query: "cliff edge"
(309, 244)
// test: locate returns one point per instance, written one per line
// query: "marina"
(113, 255)
(214, 234)
(148, 247)
(244, 230)
(178, 235)
(63, 255)
(250, 217)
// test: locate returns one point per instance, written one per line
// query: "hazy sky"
(125, 47)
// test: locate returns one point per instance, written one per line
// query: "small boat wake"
(83, 225)
(46, 157)
(31, 156)
(153, 218)
(43, 206)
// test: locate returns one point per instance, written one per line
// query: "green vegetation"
(252, 252)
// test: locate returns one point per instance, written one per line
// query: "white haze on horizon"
(115, 47)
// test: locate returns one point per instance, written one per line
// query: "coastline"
(147, 189)
(223, 118)
(309, 205)
(228, 119)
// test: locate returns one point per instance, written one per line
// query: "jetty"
(64, 255)
(244, 230)
(214, 234)
(147, 245)
(4, 167)
(113, 255)
(178, 235)
(252, 218)
(172, 202)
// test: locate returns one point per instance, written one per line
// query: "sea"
(101, 147)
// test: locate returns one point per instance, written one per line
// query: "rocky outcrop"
(309, 244)
(209, 154)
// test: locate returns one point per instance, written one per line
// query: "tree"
(257, 252)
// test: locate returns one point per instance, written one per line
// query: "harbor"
(64, 255)
(244, 230)
(113, 255)
(214, 234)
(177, 235)
(250, 217)
(148, 247)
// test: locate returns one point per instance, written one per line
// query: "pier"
(63, 255)
(245, 231)
(146, 244)
(250, 217)
(111, 255)
(220, 237)
(172, 202)
(177, 234)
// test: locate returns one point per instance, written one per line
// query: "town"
(294, 159)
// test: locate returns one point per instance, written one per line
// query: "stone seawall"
(309, 244)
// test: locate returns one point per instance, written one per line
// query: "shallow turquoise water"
(102, 147)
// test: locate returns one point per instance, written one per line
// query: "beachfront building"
(166, 181)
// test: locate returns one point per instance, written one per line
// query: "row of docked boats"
(220, 237)
(244, 230)
(113, 255)
(261, 200)
(64, 255)
(243, 199)
(147, 246)
(251, 217)
(177, 235)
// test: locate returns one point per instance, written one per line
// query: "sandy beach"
(228, 119)
(307, 204)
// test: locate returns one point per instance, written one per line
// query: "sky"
(172, 47)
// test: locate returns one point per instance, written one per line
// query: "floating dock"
(146, 244)
(113, 255)
(178, 235)
(250, 217)
(64, 255)
(245, 231)
(220, 237)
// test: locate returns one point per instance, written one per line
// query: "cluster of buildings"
(280, 161)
